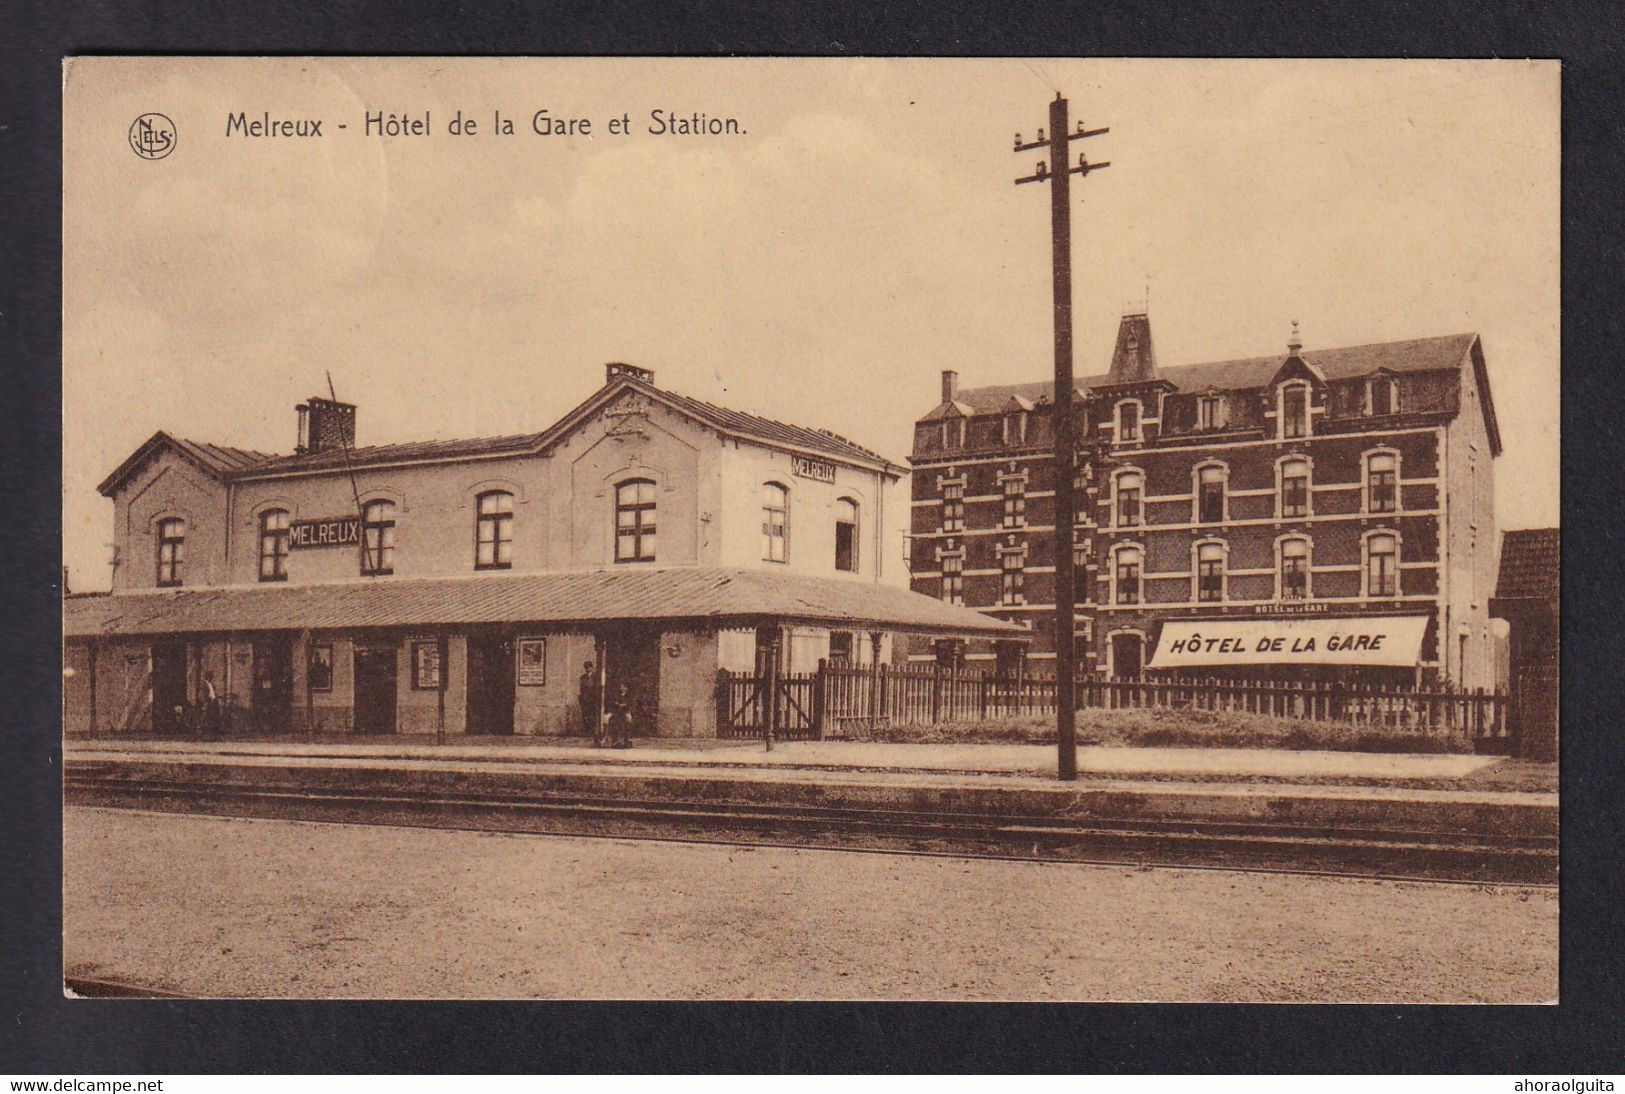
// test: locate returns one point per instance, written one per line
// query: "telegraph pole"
(1058, 175)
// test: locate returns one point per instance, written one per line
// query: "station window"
(378, 539)
(493, 531)
(1382, 565)
(1294, 569)
(171, 551)
(635, 536)
(846, 535)
(840, 647)
(775, 522)
(274, 545)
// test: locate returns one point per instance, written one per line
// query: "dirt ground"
(213, 906)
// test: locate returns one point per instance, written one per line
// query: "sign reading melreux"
(805, 467)
(325, 532)
(1367, 640)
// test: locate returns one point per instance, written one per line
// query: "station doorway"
(168, 688)
(490, 684)
(632, 657)
(272, 700)
(1127, 656)
(375, 670)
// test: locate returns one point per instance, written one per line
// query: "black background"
(43, 1033)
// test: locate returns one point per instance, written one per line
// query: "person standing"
(592, 721)
(620, 716)
(211, 706)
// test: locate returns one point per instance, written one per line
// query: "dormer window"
(1015, 427)
(1209, 411)
(1295, 410)
(1128, 422)
(953, 432)
(1381, 396)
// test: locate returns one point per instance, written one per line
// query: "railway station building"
(1327, 513)
(462, 587)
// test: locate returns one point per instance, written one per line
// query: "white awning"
(1368, 640)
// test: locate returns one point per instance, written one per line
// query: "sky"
(823, 265)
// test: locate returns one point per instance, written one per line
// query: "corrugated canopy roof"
(688, 595)
(1530, 563)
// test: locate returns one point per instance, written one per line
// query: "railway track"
(1272, 845)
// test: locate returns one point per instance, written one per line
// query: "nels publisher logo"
(152, 136)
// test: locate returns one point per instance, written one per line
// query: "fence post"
(820, 680)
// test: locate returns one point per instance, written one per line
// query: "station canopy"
(1391, 640)
(681, 597)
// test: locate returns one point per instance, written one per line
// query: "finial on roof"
(1296, 342)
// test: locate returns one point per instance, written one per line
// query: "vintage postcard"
(1030, 529)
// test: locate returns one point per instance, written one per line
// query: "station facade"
(463, 586)
(1235, 518)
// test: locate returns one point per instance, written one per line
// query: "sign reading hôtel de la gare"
(1369, 640)
(325, 532)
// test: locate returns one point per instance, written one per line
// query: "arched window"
(1129, 485)
(1128, 421)
(1382, 482)
(493, 531)
(846, 535)
(635, 521)
(1382, 565)
(1294, 569)
(1210, 485)
(775, 522)
(1295, 488)
(1210, 572)
(274, 545)
(1126, 583)
(378, 538)
(171, 551)
(1295, 410)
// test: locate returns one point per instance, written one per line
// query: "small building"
(1528, 597)
(463, 586)
(1324, 511)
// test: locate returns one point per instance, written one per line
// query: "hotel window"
(1210, 495)
(1128, 576)
(1382, 474)
(493, 531)
(378, 538)
(953, 432)
(1129, 484)
(1015, 503)
(953, 507)
(1128, 422)
(1295, 410)
(1210, 573)
(635, 521)
(1014, 577)
(846, 535)
(1382, 565)
(1015, 428)
(1382, 396)
(1080, 552)
(1295, 488)
(1295, 569)
(775, 522)
(274, 545)
(953, 579)
(1209, 411)
(171, 551)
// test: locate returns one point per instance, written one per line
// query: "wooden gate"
(745, 704)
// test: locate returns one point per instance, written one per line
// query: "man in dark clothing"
(592, 721)
(211, 706)
(621, 708)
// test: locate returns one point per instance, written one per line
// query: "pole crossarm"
(1083, 168)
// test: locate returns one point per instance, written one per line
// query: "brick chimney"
(950, 385)
(325, 425)
(621, 368)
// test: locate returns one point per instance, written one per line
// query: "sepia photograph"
(1029, 529)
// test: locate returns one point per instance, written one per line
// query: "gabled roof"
(223, 462)
(1530, 562)
(691, 596)
(1442, 353)
(215, 460)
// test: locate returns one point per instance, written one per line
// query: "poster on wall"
(532, 662)
(426, 665)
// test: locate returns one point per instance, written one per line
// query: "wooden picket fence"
(838, 698)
